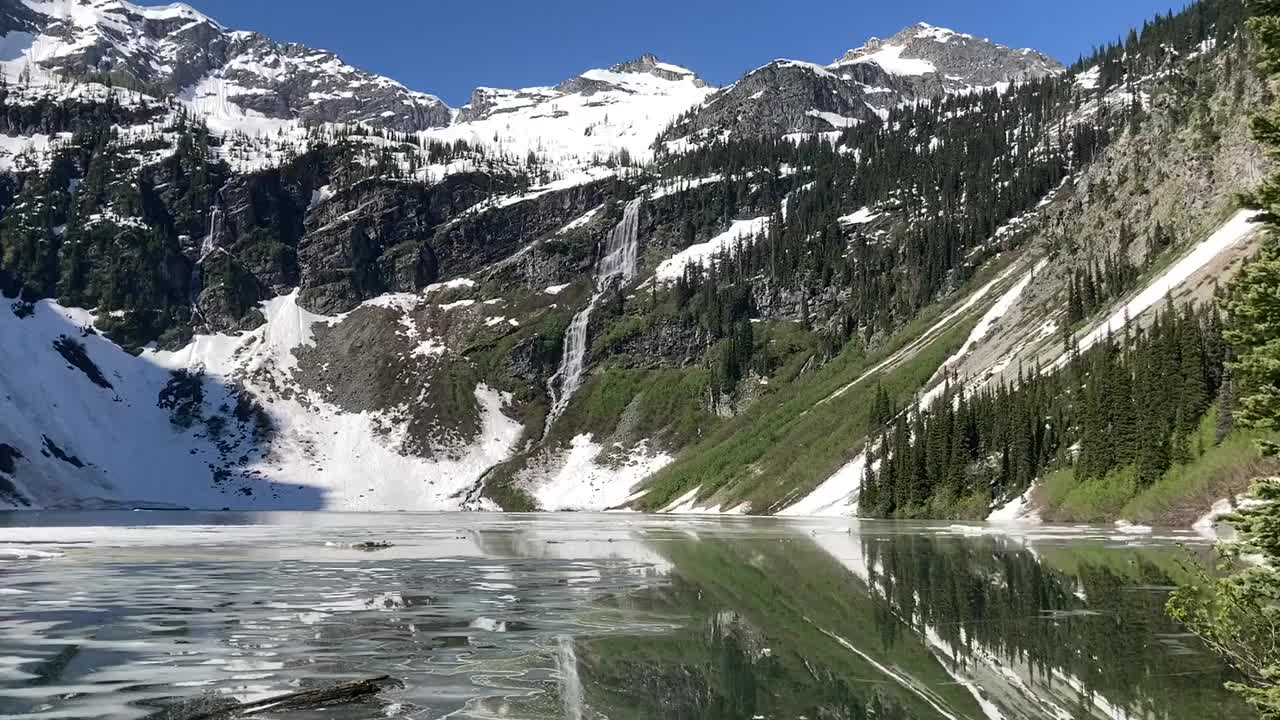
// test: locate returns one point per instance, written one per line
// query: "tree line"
(1129, 403)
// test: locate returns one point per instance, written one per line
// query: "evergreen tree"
(1238, 615)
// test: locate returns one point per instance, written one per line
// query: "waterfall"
(207, 246)
(215, 225)
(621, 249)
(569, 376)
(570, 682)
(618, 261)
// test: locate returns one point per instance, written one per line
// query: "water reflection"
(922, 625)
(596, 617)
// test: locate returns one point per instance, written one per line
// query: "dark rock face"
(31, 115)
(229, 295)
(260, 219)
(649, 63)
(8, 455)
(73, 352)
(377, 237)
(272, 231)
(366, 363)
(546, 263)
(372, 240)
(480, 239)
(243, 249)
(485, 102)
(782, 97)
(51, 449)
(317, 87)
(666, 344)
(17, 17)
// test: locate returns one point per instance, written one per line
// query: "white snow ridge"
(89, 445)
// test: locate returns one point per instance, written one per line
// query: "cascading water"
(621, 250)
(619, 261)
(570, 682)
(215, 227)
(207, 246)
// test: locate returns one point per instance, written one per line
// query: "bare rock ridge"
(650, 64)
(958, 60)
(919, 63)
(178, 50)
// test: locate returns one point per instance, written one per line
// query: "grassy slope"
(787, 444)
(1184, 493)
(623, 401)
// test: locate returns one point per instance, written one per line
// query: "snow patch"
(585, 482)
(1236, 230)
(837, 497)
(860, 217)
(835, 120)
(620, 112)
(127, 451)
(582, 221)
(703, 253)
(1129, 528)
(997, 311)
(889, 58)
(1089, 79)
(455, 284)
(1017, 511)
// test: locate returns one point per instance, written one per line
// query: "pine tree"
(1226, 409)
(1194, 398)
(1237, 615)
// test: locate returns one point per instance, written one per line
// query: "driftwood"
(305, 699)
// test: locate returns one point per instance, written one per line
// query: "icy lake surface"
(170, 615)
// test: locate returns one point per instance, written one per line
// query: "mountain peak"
(84, 13)
(932, 32)
(924, 49)
(646, 61)
(650, 64)
(239, 79)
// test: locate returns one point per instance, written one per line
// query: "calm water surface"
(166, 615)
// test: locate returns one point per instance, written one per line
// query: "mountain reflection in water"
(619, 617)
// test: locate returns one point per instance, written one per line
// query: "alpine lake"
(583, 617)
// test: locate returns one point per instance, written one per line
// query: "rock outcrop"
(919, 63)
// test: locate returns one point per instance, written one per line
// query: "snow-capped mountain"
(180, 51)
(329, 290)
(958, 62)
(592, 118)
(247, 84)
(921, 62)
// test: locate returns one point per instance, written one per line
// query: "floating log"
(305, 699)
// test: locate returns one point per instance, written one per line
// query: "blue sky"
(448, 47)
